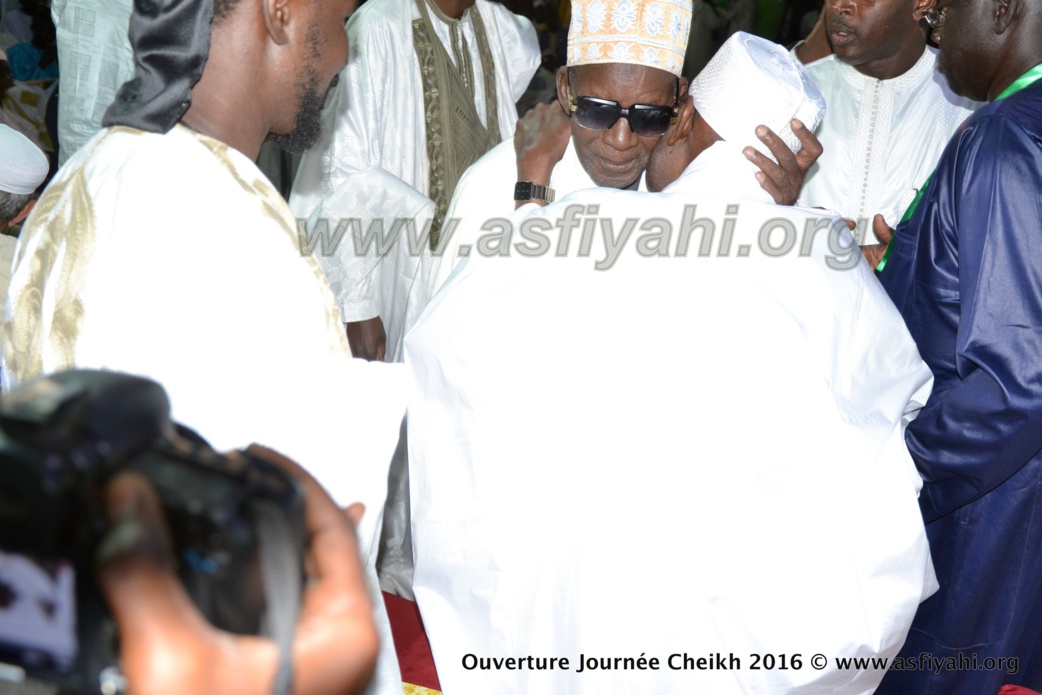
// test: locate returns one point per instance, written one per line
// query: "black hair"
(221, 8)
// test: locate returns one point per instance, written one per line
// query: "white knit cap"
(640, 32)
(752, 81)
(23, 165)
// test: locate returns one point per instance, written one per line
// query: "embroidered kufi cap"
(171, 42)
(752, 81)
(23, 165)
(640, 32)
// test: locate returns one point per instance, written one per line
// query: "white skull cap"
(752, 81)
(23, 165)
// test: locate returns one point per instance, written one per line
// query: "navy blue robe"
(966, 274)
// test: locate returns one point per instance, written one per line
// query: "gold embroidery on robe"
(456, 138)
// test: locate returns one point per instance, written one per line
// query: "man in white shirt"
(160, 249)
(890, 112)
(430, 87)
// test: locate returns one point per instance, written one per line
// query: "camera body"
(62, 438)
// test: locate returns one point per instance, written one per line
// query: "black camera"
(62, 438)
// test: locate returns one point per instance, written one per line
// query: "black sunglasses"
(646, 120)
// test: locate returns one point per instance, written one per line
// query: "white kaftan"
(604, 463)
(172, 257)
(881, 138)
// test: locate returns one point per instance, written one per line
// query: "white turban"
(752, 81)
(23, 165)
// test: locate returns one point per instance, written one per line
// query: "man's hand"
(367, 339)
(168, 648)
(784, 179)
(874, 252)
(540, 139)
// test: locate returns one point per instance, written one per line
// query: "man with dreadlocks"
(160, 249)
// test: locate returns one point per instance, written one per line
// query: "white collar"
(909, 78)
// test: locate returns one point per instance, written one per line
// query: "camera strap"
(281, 561)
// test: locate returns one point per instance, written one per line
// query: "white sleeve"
(518, 43)
(342, 183)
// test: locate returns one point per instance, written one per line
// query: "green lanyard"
(1028, 78)
(904, 218)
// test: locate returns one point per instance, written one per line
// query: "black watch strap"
(526, 190)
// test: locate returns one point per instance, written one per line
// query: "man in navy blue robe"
(965, 270)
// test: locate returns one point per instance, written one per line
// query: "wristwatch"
(526, 190)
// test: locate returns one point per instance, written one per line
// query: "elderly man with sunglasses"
(890, 112)
(621, 91)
